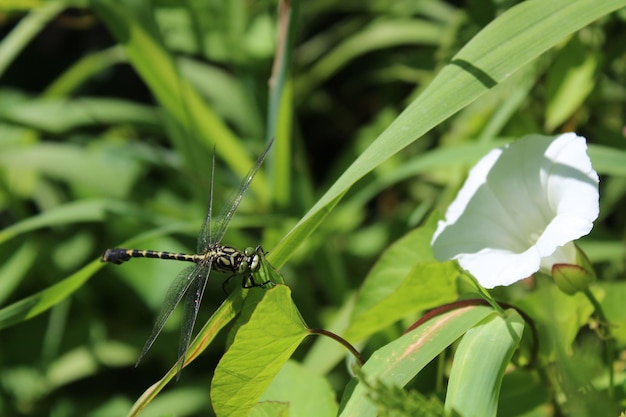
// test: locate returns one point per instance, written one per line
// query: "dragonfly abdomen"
(118, 255)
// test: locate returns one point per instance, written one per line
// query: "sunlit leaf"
(495, 340)
(259, 350)
(398, 362)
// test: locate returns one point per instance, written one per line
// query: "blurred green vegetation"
(109, 114)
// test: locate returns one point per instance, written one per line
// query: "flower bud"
(574, 278)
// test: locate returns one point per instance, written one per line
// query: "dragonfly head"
(252, 260)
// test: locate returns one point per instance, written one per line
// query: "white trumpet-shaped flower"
(520, 210)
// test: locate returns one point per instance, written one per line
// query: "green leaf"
(92, 170)
(76, 212)
(614, 294)
(606, 160)
(510, 42)
(307, 393)
(259, 350)
(398, 362)
(25, 32)
(394, 265)
(569, 81)
(426, 286)
(219, 319)
(269, 409)
(38, 303)
(61, 115)
(181, 401)
(15, 267)
(379, 34)
(479, 364)
(406, 279)
(558, 316)
(226, 93)
(157, 69)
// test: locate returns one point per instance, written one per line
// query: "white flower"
(520, 210)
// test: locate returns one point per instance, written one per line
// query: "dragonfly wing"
(205, 237)
(219, 226)
(175, 292)
(191, 305)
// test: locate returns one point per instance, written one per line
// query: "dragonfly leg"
(248, 282)
(225, 283)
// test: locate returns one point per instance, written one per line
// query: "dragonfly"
(211, 256)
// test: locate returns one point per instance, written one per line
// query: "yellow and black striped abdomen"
(118, 256)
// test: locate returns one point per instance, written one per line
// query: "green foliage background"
(109, 114)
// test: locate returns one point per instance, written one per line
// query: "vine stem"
(342, 341)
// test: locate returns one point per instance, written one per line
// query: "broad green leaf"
(558, 316)
(425, 286)
(306, 393)
(269, 409)
(260, 349)
(398, 362)
(569, 82)
(511, 41)
(394, 265)
(406, 279)
(479, 364)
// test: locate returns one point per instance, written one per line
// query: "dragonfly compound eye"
(254, 264)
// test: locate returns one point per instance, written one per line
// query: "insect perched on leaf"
(211, 256)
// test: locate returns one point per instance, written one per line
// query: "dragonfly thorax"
(231, 260)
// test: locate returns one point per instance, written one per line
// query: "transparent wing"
(175, 292)
(220, 225)
(193, 298)
(205, 238)
(191, 305)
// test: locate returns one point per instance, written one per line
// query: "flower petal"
(518, 205)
